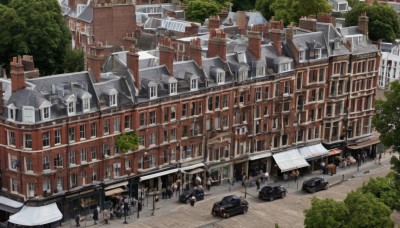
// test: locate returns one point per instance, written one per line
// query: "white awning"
(313, 151)
(154, 175)
(289, 160)
(125, 183)
(10, 205)
(36, 216)
(260, 155)
(195, 166)
(199, 170)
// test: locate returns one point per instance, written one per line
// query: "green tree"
(74, 60)
(11, 35)
(326, 213)
(37, 28)
(127, 141)
(199, 10)
(386, 120)
(383, 20)
(384, 189)
(354, 3)
(291, 10)
(243, 5)
(264, 7)
(366, 211)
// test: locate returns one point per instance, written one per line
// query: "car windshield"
(225, 200)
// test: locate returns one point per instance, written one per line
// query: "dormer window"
(302, 56)
(153, 92)
(242, 75)
(173, 88)
(318, 53)
(45, 110)
(86, 101)
(113, 100)
(283, 67)
(193, 84)
(70, 100)
(220, 78)
(28, 114)
(71, 108)
(11, 111)
(260, 71)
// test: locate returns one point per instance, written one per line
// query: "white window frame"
(57, 137)
(173, 88)
(71, 108)
(47, 134)
(11, 138)
(193, 84)
(86, 104)
(318, 53)
(46, 160)
(153, 92)
(302, 56)
(11, 112)
(284, 67)
(113, 100)
(220, 78)
(25, 141)
(260, 71)
(28, 114)
(45, 113)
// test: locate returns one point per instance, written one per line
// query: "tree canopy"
(386, 120)
(74, 60)
(291, 10)
(36, 28)
(383, 20)
(243, 5)
(264, 7)
(127, 141)
(200, 10)
(326, 213)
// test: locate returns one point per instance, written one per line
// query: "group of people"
(260, 178)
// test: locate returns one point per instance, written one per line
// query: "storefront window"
(225, 172)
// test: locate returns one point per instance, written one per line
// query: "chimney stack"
(217, 44)
(254, 44)
(95, 59)
(326, 18)
(309, 24)
(29, 67)
(132, 62)
(363, 23)
(167, 55)
(213, 23)
(195, 51)
(289, 34)
(275, 36)
(241, 21)
(17, 74)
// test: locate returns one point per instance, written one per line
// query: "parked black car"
(230, 205)
(315, 184)
(272, 192)
(186, 195)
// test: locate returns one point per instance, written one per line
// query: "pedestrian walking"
(258, 183)
(77, 220)
(105, 216)
(296, 175)
(95, 215)
(209, 180)
(380, 157)
(266, 176)
(192, 201)
(285, 176)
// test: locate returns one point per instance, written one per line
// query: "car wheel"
(214, 213)
(244, 210)
(227, 215)
(283, 195)
(326, 187)
(187, 201)
(271, 198)
(312, 190)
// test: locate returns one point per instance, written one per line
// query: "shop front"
(287, 161)
(368, 146)
(239, 168)
(220, 173)
(114, 192)
(314, 155)
(8, 207)
(190, 173)
(259, 162)
(82, 202)
(157, 181)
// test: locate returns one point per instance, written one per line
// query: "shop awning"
(10, 205)
(125, 183)
(366, 143)
(36, 216)
(313, 151)
(196, 171)
(289, 160)
(260, 155)
(195, 166)
(160, 174)
(334, 151)
(115, 191)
